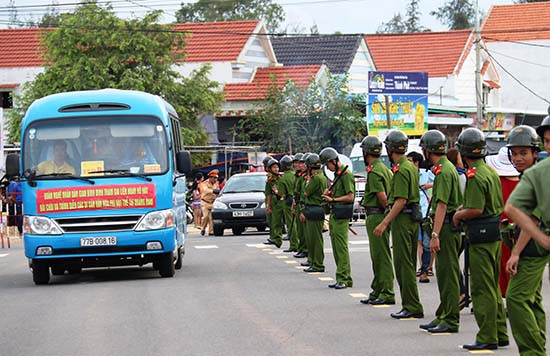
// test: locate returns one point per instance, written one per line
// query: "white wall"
(219, 71)
(359, 71)
(19, 75)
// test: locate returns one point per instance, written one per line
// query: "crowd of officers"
(299, 196)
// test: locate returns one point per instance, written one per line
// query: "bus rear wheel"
(166, 265)
(40, 272)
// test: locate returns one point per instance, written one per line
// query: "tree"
(94, 49)
(399, 24)
(456, 14)
(227, 10)
(306, 119)
(395, 25)
(12, 14)
(51, 18)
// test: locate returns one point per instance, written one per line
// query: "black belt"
(371, 211)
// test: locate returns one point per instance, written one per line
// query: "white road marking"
(256, 245)
(205, 247)
(4, 254)
(275, 252)
(281, 257)
(326, 279)
(359, 242)
(291, 262)
(358, 295)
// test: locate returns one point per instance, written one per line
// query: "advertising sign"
(408, 102)
(499, 122)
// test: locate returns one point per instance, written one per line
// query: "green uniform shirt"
(483, 190)
(378, 180)
(531, 192)
(446, 188)
(286, 184)
(344, 186)
(315, 188)
(268, 185)
(299, 187)
(405, 182)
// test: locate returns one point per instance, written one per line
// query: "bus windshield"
(95, 147)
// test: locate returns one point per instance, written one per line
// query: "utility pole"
(479, 86)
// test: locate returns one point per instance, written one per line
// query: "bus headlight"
(219, 205)
(156, 220)
(40, 225)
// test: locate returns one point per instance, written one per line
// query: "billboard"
(407, 93)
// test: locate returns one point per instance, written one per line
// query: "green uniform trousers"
(301, 232)
(524, 304)
(276, 225)
(486, 298)
(405, 244)
(315, 244)
(380, 255)
(290, 227)
(338, 229)
(447, 267)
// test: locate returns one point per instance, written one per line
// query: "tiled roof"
(20, 48)
(517, 22)
(207, 42)
(438, 53)
(264, 77)
(336, 52)
(216, 41)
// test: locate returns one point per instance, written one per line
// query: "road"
(233, 296)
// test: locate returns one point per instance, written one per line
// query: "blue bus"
(97, 170)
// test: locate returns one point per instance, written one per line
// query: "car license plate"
(237, 214)
(98, 241)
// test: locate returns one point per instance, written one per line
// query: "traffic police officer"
(264, 162)
(274, 205)
(301, 179)
(313, 214)
(375, 201)
(286, 191)
(445, 239)
(481, 211)
(527, 262)
(340, 197)
(404, 201)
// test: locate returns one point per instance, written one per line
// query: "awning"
(449, 120)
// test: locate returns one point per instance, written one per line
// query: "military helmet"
(371, 145)
(523, 136)
(396, 141)
(271, 162)
(305, 156)
(265, 160)
(544, 125)
(327, 154)
(298, 157)
(471, 143)
(313, 161)
(285, 163)
(434, 141)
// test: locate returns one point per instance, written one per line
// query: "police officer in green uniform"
(268, 176)
(481, 211)
(286, 191)
(527, 262)
(375, 201)
(340, 196)
(445, 238)
(274, 205)
(404, 201)
(301, 179)
(313, 214)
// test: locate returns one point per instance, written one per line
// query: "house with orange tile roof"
(449, 59)
(517, 38)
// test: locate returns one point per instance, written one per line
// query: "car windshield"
(358, 166)
(245, 183)
(95, 147)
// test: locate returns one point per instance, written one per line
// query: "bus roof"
(104, 101)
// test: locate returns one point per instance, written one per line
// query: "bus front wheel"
(166, 265)
(40, 272)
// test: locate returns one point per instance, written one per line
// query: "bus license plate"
(238, 214)
(98, 241)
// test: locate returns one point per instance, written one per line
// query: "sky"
(346, 16)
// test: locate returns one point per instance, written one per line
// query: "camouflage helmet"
(371, 145)
(396, 141)
(327, 154)
(272, 162)
(523, 136)
(544, 125)
(285, 163)
(434, 141)
(313, 161)
(471, 143)
(266, 160)
(298, 157)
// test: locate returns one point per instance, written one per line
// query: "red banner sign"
(124, 196)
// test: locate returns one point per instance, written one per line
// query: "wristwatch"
(435, 235)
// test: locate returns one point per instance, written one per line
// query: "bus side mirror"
(12, 165)
(183, 162)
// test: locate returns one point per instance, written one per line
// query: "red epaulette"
(342, 173)
(470, 173)
(437, 169)
(369, 168)
(395, 168)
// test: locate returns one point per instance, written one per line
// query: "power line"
(521, 60)
(519, 42)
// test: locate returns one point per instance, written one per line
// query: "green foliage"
(93, 49)
(456, 14)
(227, 10)
(306, 119)
(52, 18)
(400, 24)
(395, 25)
